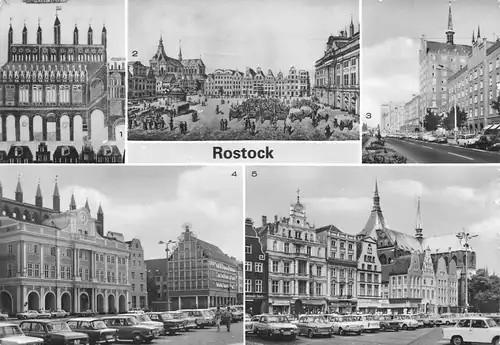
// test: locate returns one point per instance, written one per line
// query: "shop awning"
(488, 127)
(313, 302)
(279, 302)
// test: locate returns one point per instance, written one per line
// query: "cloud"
(459, 193)
(404, 187)
(341, 204)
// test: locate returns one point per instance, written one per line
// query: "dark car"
(128, 328)
(96, 329)
(170, 325)
(387, 323)
(425, 319)
(86, 313)
(53, 332)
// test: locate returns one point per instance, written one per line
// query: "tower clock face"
(83, 217)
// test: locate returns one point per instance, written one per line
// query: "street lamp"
(465, 237)
(442, 67)
(167, 243)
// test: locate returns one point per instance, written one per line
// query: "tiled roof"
(437, 46)
(495, 45)
(331, 228)
(249, 229)
(192, 62)
(386, 269)
(375, 221)
(400, 265)
(405, 241)
(66, 151)
(442, 243)
(109, 150)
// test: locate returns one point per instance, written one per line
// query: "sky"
(392, 30)
(94, 12)
(150, 203)
(452, 198)
(236, 34)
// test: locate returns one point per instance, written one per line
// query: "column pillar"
(105, 301)
(58, 298)
(196, 301)
(116, 270)
(127, 262)
(58, 263)
(17, 122)
(23, 262)
(179, 301)
(42, 254)
(75, 262)
(76, 299)
(94, 300)
(106, 256)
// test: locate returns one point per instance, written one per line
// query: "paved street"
(425, 336)
(425, 152)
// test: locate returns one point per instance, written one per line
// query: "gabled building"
(404, 285)
(256, 272)
(369, 276)
(137, 275)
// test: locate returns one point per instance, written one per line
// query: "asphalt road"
(424, 336)
(425, 152)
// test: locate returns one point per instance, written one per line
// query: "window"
(248, 285)
(9, 249)
(248, 268)
(37, 95)
(133, 286)
(77, 94)
(24, 95)
(258, 286)
(50, 95)
(64, 94)
(275, 286)
(248, 250)
(10, 271)
(259, 267)
(275, 266)
(319, 271)
(287, 248)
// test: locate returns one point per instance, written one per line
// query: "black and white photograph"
(431, 81)
(243, 70)
(62, 81)
(88, 261)
(372, 255)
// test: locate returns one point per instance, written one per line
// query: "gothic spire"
(19, 190)
(72, 204)
(418, 225)
(450, 32)
(56, 190)
(376, 198)
(99, 211)
(87, 204)
(473, 38)
(180, 50)
(38, 190)
(478, 32)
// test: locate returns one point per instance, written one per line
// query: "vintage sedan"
(387, 323)
(406, 322)
(128, 328)
(437, 320)
(202, 320)
(44, 314)
(343, 324)
(472, 329)
(275, 326)
(170, 325)
(314, 325)
(11, 334)
(424, 320)
(369, 322)
(59, 313)
(450, 319)
(28, 314)
(189, 321)
(95, 328)
(53, 332)
(3, 316)
(145, 320)
(250, 322)
(86, 313)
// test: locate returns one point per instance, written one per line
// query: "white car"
(465, 140)
(472, 329)
(28, 314)
(249, 323)
(144, 319)
(11, 334)
(370, 324)
(59, 313)
(406, 322)
(275, 326)
(343, 324)
(3, 316)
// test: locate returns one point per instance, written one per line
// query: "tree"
(365, 127)
(484, 291)
(431, 121)
(152, 289)
(449, 120)
(496, 105)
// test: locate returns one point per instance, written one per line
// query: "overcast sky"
(239, 33)
(83, 13)
(150, 203)
(452, 198)
(391, 39)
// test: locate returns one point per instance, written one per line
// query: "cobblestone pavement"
(426, 336)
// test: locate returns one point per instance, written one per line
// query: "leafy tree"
(496, 105)
(431, 121)
(449, 121)
(365, 127)
(484, 291)
(152, 289)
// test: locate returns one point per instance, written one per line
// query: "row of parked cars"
(139, 327)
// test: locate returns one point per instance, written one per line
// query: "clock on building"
(83, 217)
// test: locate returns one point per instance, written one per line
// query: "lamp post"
(167, 243)
(465, 237)
(442, 67)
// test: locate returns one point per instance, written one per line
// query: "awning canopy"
(279, 302)
(488, 127)
(314, 302)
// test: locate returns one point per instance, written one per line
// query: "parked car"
(343, 324)
(44, 314)
(170, 325)
(406, 322)
(128, 328)
(11, 334)
(96, 330)
(53, 332)
(3, 316)
(425, 320)
(189, 321)
(466, 140)
(29, 314)
(476, 329)
(86, 313)
(420, 322)
(237, 314)
(136, 310)
(314, 325)
(59, 313)
(275, 326)
(250, 322)
(370, 324)
(202, 320)
(442, 139)
(449, 319)
(437, 320)
(387, 323)
(145, 320)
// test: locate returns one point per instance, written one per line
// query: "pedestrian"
(218, 315)
(226, 318)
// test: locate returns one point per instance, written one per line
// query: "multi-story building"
(138, 296)
(384, 118)
(337, 72)
(405, 284)
(59, 259)
(414, 116)
(297, 266)
(369, 276)
(141, 81)
(256, 272)
(55, 92)
(393, 244)
(428, 284)
(393, 114)
(446, 285)
(341, 257)
(199, 275)
(438, 61)
(477, 84)
(254, 83)
(117, 98)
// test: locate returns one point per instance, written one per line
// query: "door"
(479, 332)
(26, 328)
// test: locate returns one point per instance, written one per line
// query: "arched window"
(383, 259)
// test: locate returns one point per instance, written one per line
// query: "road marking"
(456, 154)
(428, 147)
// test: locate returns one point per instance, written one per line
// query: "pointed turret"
(376, 220)
(418, 224)
(100, 221)
(376, 198)
(56, 200)
(473, 38)
(19, 190)
(10, 41)
(39, 33)
(25, 34)
(104, 36)
(450, 33)
(75, 35)
(38, 196)
(180, 50)
(351, 27)
(72, 203)
(478, 32)
(87, 204)
(90, 36)
(57, 30)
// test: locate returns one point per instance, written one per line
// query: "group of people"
(223, 124)
(183, 126)
(224, 317)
